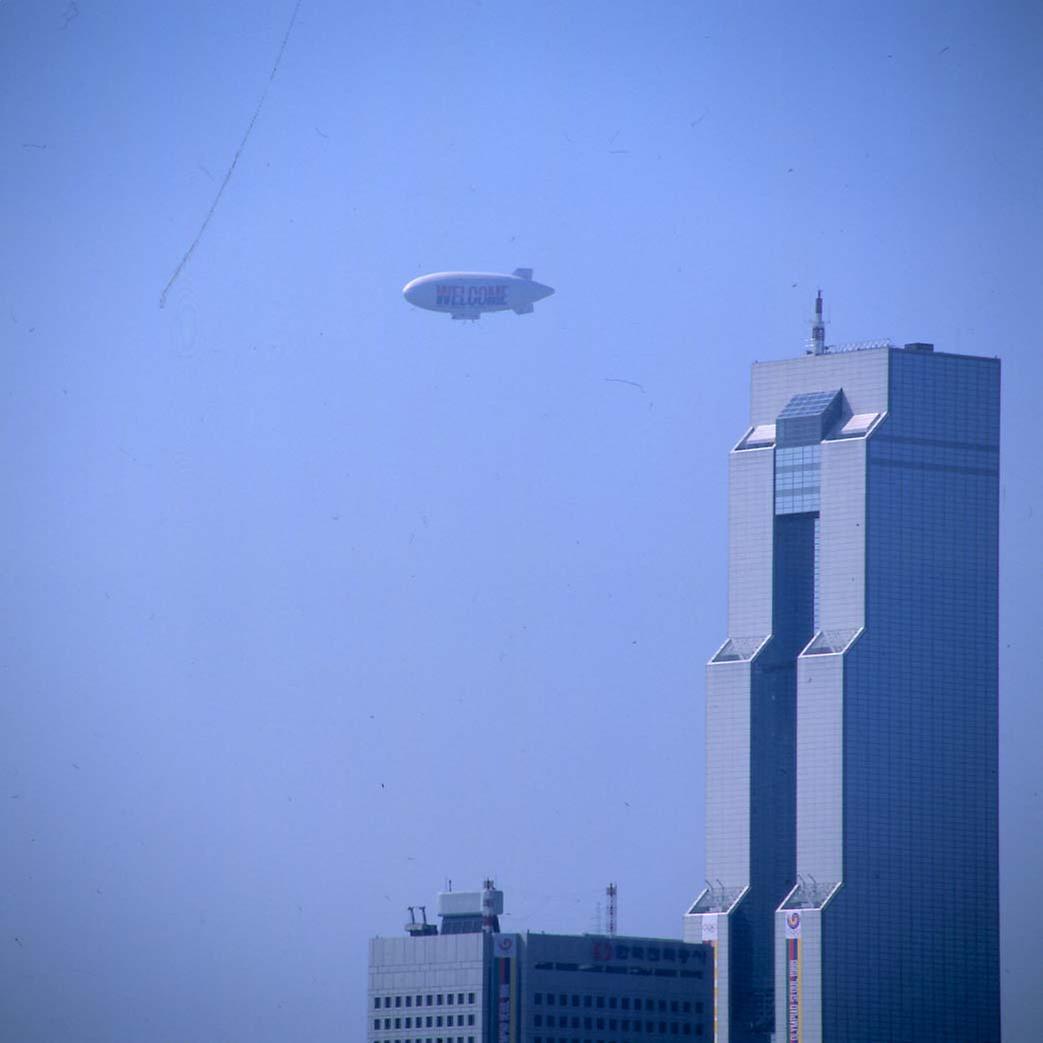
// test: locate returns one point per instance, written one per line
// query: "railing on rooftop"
(860, 345)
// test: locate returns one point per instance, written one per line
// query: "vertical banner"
(793, 977)
(709, 929)
(505, 986)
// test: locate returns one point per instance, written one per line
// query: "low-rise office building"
(471, 983)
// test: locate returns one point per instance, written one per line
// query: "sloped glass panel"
(831, 642)
(738, 649)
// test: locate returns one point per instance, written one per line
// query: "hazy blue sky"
(310, 600)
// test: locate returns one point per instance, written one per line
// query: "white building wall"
(862, 375)
(751, 520)
(842, 535)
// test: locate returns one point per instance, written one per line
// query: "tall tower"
(851, 715)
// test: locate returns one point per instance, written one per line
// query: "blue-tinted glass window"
(798, 479)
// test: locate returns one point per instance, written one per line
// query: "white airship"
(465, 295)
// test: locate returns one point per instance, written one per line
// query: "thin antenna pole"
(818, 329)
(610, 892)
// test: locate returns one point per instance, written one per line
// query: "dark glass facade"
(911, 942)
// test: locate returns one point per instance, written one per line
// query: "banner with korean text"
(793, 977)
(505, 987)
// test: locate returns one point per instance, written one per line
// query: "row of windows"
(551, 999)
(617, 968)
(430, 1000)
(673, 1028)
(564, 1039)
(428, 1039)
(425, 1022)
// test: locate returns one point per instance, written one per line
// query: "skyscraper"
(851, 849)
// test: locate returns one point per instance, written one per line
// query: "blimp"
(465, 295)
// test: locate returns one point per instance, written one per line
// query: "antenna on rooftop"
(489, 922)
(610, 893)
(419, 928)
(818, 330)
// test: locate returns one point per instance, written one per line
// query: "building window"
(625, 1003)
(538, 1020)
(470, 1019)
(387, 1024)
(409, 1001)
(376, 1023)
(438, 1022)
(430, 999)
(440, 999)
(398, 1023)
(537, 998)
(459, 997)
(376, 1002)
(550, 999)
(470, 997)
(387, 1001)
(797, 479)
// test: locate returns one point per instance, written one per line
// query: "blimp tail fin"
(522, 273)
(522, 309)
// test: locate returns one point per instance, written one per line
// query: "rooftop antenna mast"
(610, 893)
(818, 329)
(418, 928)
